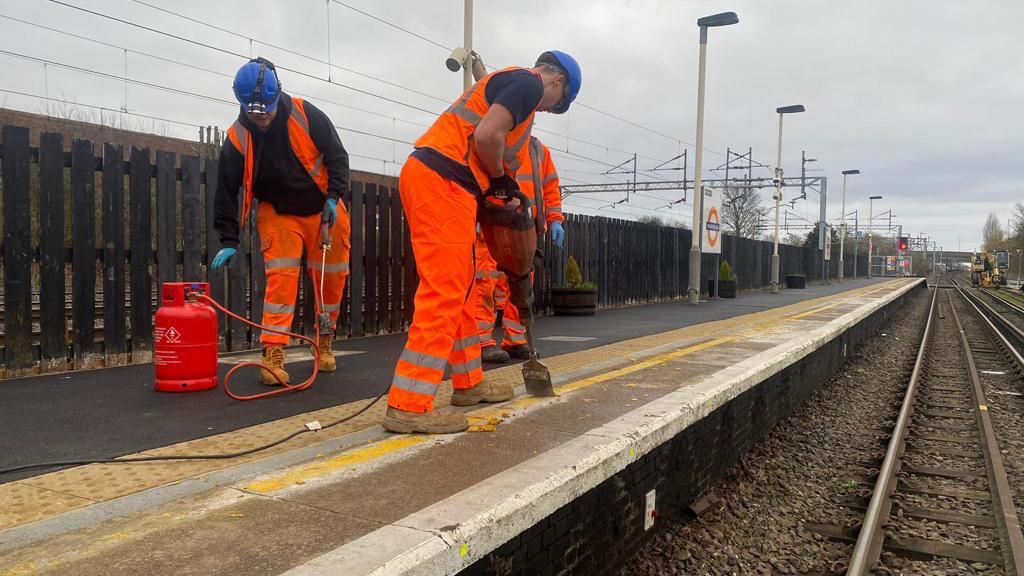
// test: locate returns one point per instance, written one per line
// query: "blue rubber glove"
(330, 213)
(557, 233)
(222, 258)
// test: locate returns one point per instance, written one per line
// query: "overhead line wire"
(169, 89)
(300, 54)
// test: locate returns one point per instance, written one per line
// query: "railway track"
(944, 492)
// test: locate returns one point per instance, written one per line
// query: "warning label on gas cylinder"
(169, 335)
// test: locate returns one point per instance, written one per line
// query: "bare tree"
(741, 209)
(992, 233)
(1018, 224)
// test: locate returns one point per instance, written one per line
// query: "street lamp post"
(871, 227)
(723, 19)
(778, 194)
(842, 226)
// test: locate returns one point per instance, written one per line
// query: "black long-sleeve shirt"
(279, 176)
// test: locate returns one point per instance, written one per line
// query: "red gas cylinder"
(185, 340)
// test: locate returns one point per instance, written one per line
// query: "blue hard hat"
(573, 76)
(256, 86)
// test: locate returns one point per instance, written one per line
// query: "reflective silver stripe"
(512, 152)
(466, 342)
(553, 211)
(278, 308)
(317, 164)
(494, 274)
(466, 114)
(524, 177)
(279, 328)
(513, 325)
(423, 360)
(284, 263)
(300, 118)
(467, 367)
(332, 307)
(536, 152)
(515, 338)
(484, 325)
(242, 133)
(413, 385)
(330, 268)
(479, 275)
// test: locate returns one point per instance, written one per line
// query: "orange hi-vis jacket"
(302, 144)
(538, 179)
(452, 132)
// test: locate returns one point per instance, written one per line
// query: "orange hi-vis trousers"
(283, 238)
(442, 227)
(490, 295)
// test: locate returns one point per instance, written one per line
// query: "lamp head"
(875, 197)
(850, 172)
(790, 109)
(723, 19)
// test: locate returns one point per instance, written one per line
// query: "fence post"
(191, 223)
(356, 259)
(114, 338)
(53, 331)
(83, 254)
(17, 252)
(140, 197)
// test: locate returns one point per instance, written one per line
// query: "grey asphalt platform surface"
(110, 412)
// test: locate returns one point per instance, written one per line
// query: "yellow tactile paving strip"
(48, 495)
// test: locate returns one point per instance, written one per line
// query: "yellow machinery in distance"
(988, 268)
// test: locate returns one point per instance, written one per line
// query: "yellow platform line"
(302, 474)
(481, 417)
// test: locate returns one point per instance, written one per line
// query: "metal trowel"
(536, 376)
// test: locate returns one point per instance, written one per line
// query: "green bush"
(725, 271)
(573, 276)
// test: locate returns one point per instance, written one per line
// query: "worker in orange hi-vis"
(492, 305)
(284, 154)
(472, 149)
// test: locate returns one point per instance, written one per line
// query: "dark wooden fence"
(88, 239)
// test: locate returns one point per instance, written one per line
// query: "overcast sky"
(923, 97)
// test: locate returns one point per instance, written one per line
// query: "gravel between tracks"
(798, 472)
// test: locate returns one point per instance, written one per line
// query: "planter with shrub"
(577, 298)
(726, 282)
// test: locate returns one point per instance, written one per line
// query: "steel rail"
(868, 549)
(1004, 511)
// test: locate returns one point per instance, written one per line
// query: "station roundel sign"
(713, 227)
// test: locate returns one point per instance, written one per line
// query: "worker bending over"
(285, 153)
(472, 147)
(537, 173)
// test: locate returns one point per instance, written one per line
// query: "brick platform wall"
(593, 535)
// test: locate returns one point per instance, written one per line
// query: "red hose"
(285, 387)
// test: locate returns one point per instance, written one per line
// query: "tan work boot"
(485, 391)
(433, 422)
(327, 361)
(273, 362)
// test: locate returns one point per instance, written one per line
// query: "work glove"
(557, 233)
(502, 187)
(330, 213)
(222, 257)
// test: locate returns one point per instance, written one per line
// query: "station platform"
(353, 499)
